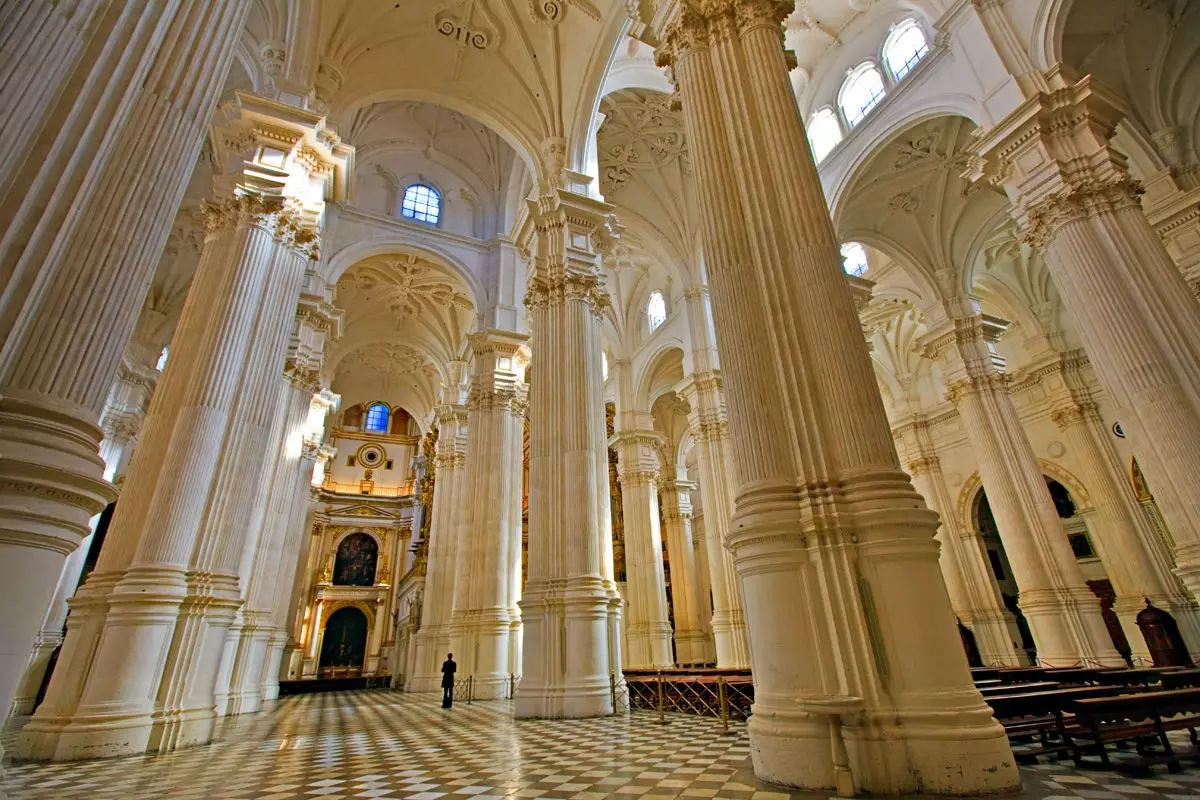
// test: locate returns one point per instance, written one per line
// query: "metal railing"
(367, 488)
(464, 689)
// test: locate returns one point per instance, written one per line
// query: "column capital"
(698, 24)
(1054, 158)
(966, 346)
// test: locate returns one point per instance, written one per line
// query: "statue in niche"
(356, 560)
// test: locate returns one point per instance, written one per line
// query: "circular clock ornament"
(370, 456)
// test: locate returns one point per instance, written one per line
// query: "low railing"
(368, 488)
(708, 693)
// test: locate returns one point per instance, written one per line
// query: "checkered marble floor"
(388, 745)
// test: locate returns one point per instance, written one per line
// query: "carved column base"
(50, 486)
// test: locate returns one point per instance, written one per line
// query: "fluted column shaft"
(569, 607)
(691, 641)
(973, 594)
(89, 88)
(834, 547)
(1133, 310)
(647, 625)
(490, 549)
(1137, 561)
(703, 580)
(264, 560)
(449, 509)
(710, 430)
(1063, 613)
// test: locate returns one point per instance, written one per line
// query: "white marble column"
(1137, 561)
(692, 644)
(847, 610)
(647, 625)
(161, 600)
(449, 496)
(93, 88)
(710, 429)
(1062, 612)
(482, 621)
(973, 593)
(1139, 322)
(703, 580)
(569, 608)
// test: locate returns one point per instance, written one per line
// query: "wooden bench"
(1021, 674)
(985, 673)
(1143, 718)
(1021, 688)
(1035, 721)
(1181, 679)
(1129, 677)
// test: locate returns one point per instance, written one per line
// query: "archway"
(985, 525)
(355, 562)
(344, 647)
(1089, 562)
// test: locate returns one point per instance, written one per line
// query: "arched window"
(603, 365)
(354, 564)
(377, 418)
(162, 359)
(824, 132)
(861, 92)
(656, 309)
(904, 48)
(422, 203)
(854, 259)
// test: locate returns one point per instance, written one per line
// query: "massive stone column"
(1137, 560)
(710, 429)
(973, 593)
(847, 611)
(146, 633)
(1076, 203)
(489, 551)
(449, 507)
(647, 627)
(1063, 613)
(89, 90)
(569, 607)
(691, 641)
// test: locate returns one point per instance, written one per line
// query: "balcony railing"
(368, 488)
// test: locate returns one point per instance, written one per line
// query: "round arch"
(522, 139)
(882, 130)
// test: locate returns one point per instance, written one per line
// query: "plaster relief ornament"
(407, 284)
(469, 23)
(641, 133)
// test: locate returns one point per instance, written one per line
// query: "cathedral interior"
(760, 399)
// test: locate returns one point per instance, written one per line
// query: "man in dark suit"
(448, 670)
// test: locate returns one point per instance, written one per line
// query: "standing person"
(448, 670)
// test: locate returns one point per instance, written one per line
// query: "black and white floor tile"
(389, 745)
